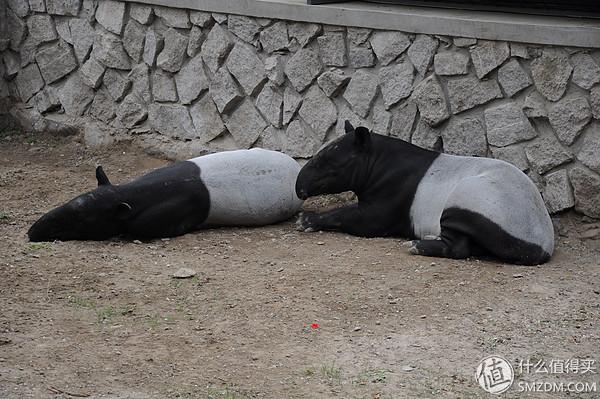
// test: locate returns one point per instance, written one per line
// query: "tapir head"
(96, 215)
(336, 167)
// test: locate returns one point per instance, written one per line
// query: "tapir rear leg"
(450, 244)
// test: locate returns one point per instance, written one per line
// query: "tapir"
(448, 206)
(242, 188)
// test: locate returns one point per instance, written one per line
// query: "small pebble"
(357, 328)
(518, 275)
(320, 243)
(280, 269)
(408, 368)
(137, 242)
(184, 272)
(423, 316)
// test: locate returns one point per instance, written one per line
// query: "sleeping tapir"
(243, 188)
(452, 206)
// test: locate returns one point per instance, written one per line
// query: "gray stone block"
(274, 69)
(299, 141)
(303, 32)
(248, 69)
(506, 124)
(469, 92)
(488, 55)
(103, 107)
(396, 82)
(589, 155)
(513, 78)
(465, 136)
(245, 124)
(513, 154)
(141, 13)
(332, 81)
(586, 189)
(29, 82)
(388, 45)
(291, 102)
(403, 120)
(318, 111)
(431, 101)
(216, 47)
(535, 105)
(153, 45)
(568, 117)
(108, 49)
(163, 87)
(92, 72)
(201, 18)
(55, 61)
(302, 68)
(111, 15)
(83, 35)
(207, 120)
(116, 83)
(332, 48)
(551, 73)
(41, 28)
(243, 27)
(426, 137)
(270, 103)
(173, 17)
(133, 40)
(224, 90)
(586, 72)
(171, 56)
(275, 37)
(595, 101)
(75, 96)
(191, 80)
(421, 52)
(361, 92)
(131, 111)
(557, 192)
(451, 63)
(546, 153)
(172, 120)
(63, 7)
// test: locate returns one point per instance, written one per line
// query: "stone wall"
(182, 82)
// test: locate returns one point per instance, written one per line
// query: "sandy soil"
(107, 320)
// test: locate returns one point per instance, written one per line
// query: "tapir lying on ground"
(453, 206)
(243, 188)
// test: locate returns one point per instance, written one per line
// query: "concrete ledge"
(481, 25)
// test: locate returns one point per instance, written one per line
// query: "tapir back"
(249, 187)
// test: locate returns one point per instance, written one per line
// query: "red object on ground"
(314, 326)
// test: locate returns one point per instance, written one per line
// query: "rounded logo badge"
(495, 374)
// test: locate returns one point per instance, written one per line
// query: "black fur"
(167, 202)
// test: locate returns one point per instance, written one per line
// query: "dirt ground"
(108, 320)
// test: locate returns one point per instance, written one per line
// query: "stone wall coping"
(558, 31)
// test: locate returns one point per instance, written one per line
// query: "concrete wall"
(182, 82)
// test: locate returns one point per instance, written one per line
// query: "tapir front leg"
(352, 219)
(170, 218)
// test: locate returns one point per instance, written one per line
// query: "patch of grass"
(36, 246)
(105, 314)
(82, 302)
(156, 320)
(332, 372)
(310, 371)
(227, 392)
(4, 217)
(376, 376)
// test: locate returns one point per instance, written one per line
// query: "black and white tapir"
(451, 206)
(242, 188)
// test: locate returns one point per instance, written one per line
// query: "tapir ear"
(362, 138)
(101, 177)
(123, 211)
(348, 126)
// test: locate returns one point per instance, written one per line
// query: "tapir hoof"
(305, 222)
